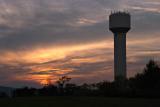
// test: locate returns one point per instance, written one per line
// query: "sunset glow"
(42, 40)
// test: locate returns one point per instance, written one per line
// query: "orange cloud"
(67, 59)
(40, 71)
(42, 55)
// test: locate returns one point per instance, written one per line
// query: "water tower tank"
(120, 22)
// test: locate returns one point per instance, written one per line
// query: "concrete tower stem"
(120, 56)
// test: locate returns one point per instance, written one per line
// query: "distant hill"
(6, 91)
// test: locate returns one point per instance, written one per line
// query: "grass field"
(79, 102)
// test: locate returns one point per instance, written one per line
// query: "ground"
(79, 102)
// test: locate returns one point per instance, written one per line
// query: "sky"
(42, 40)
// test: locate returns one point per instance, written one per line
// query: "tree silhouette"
(149, 78)
(61, 82)
(144, 84)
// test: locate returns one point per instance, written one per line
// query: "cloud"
(31, 24)
(43, 38)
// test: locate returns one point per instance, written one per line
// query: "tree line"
(144, 84)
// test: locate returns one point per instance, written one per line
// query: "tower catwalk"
(119, 24)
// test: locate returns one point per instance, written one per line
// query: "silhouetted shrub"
(145, 84)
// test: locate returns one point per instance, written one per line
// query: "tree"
(61, 82)
(149, 78)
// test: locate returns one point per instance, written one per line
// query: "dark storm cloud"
(145, 23)
(42, 72)
(43, 26)
(26, 24)
(11, 70)
(51, 36)
(42, 23)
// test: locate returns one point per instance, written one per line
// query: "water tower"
(120, 24)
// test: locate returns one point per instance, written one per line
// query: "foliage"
(145, 84)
